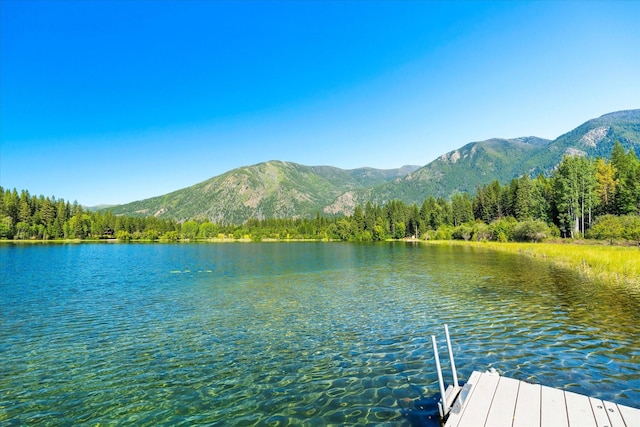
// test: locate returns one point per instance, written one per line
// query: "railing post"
(443, 411)
(453, 363)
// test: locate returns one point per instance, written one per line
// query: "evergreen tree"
(413, 221)
(369, 217)
(524, 200)
(479, 204)
(358, 220)
(24, 208)
(425, 213)
(444, 211)
(541, 194)
(461, 208)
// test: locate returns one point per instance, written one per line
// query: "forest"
(583, 198)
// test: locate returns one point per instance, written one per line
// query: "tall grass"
(616, 263)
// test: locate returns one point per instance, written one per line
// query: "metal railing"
(448, 395)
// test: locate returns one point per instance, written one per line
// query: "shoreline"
(617, 263)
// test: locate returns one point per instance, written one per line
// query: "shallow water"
(292, 333)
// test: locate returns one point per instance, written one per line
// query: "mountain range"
(280, 189)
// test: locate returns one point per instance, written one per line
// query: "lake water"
(283, 334)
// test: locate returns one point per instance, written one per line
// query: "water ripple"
(300, 334)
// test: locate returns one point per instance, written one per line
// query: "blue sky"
(116, 101)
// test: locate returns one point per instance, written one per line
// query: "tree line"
(27, 217)
(593, 198)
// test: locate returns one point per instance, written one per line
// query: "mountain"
(479, 163)
(278, 189)
(98, 207)
(273, 189)
(594, 138)
(458, 171)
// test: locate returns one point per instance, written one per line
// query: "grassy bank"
(616, 263)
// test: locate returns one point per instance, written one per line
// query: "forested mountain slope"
(273, 189)
(479, 163)
(594, 138)
(461, 170)
(279, 189)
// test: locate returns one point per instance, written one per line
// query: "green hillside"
(462, 170)
(594, 138)
(277, 189)
(273, 189)
(479, 163)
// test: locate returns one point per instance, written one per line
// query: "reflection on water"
(292, 334)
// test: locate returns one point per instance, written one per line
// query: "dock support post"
(453, 363)
(441, 406)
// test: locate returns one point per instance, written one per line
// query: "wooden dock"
(491, 400)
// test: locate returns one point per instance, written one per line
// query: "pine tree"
(358, 220)
(523, 201)
(462, 208)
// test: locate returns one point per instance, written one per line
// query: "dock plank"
(527, 412)
(477, 408)
(579, 410)
(630, 415)
(599, 412)
(493, 401)
(553, 409)
(467, 390)
(614, 414)
(504, 403)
